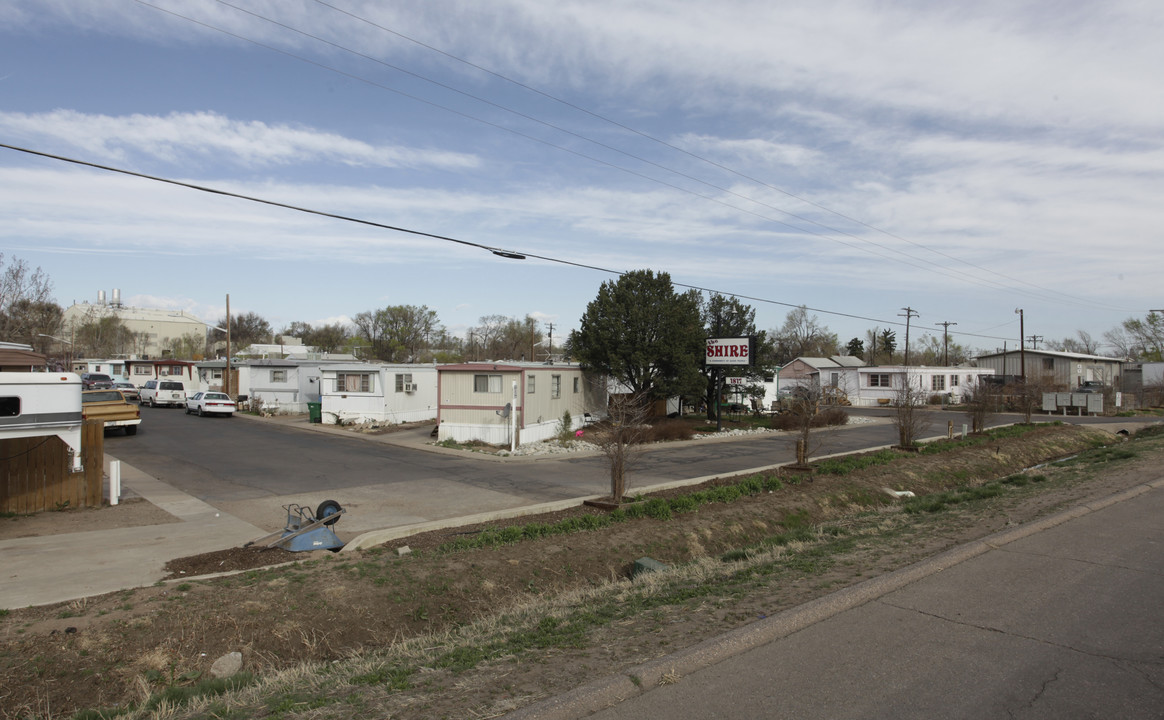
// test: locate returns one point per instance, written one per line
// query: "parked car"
(163, 392)
(128, 389)
(96, 381)
(1090, 386)
(210, 403)
(111, 407)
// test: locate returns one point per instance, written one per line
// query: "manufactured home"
(388, 393)
(514, 403)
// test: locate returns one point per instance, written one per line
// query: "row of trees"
(401, 333)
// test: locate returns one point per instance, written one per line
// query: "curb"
(616, 688)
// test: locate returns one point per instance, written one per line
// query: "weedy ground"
(478, 621)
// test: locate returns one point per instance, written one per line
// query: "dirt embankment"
(117, 648)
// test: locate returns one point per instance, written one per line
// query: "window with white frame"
(142, 370)
(953, 381)
(938, 382)
(577, 384)
(879, 380)
(555, 386)
(403, 379)
(353, 382)
(487, 383)
(278, 376)
(529, 384)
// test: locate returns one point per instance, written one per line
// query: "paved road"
(251, 468)
(1058, 622)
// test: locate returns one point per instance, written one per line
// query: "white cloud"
(177, 137)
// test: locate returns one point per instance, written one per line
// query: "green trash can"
(314, 412)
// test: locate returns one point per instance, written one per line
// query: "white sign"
(728, 351)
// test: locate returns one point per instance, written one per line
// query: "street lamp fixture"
(62, 340)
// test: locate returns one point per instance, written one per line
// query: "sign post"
(727, 352)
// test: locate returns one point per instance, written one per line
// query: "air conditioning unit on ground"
(409, 387)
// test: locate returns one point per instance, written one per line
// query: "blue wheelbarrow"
(306, 530)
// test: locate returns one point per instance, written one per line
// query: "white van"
(163, 392)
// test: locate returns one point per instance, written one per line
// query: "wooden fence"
(35, 472)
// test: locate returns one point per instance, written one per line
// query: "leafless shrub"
(982, 402)
(1027, 396)
(804, 414)
(625, 430)
(908, 413)
(668, 430)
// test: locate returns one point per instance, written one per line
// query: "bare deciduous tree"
(909, 412)
(982, 402)
(26, 306)
(803, 335)
(621, 436)
(1027, 396)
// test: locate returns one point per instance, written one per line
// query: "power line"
(501, 252)
(894, 257)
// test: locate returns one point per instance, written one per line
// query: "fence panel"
(35, 472)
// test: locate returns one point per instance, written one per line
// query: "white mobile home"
(513, 403)
(882, 384)
(362, 392)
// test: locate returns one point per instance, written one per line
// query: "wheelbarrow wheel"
(328, 511)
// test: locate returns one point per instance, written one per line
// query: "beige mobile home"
(513, 403)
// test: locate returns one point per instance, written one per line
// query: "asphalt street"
(251, 468)
(1059, 619)
(221, 459)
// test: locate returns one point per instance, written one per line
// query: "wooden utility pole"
(1022, 348)
(946, 341)
(226, 375)
(909, 313)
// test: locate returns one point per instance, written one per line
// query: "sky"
(962, 160)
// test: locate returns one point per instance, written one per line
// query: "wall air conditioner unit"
(409, 387)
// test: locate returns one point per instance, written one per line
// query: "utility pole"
(1034, 341)
(909, 313)
(1022, 348)
(226, 375)
(946, 341)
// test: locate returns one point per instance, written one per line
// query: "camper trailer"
(42, 404)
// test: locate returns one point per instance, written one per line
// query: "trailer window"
(9, 406)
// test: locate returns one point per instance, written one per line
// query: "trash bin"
(314, 412)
